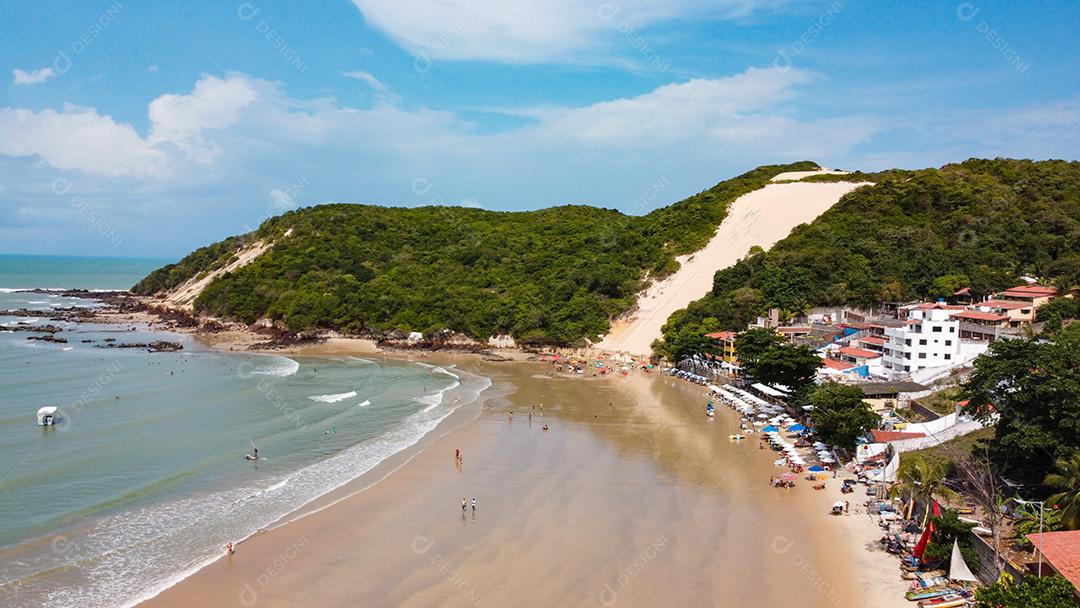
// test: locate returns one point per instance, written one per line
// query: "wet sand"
(631, 498)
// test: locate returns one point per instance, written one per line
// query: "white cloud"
(79, 138)
(215, 103)
(234, 147)
(371, 81)
(33, 76)
(525, 31)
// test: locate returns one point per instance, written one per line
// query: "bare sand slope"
(183, 295)
(760, 218)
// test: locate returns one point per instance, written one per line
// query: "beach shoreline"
(659, 449)
(615, 503)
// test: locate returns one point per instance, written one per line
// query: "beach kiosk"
(48, 415)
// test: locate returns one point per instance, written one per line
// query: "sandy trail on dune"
(759, 218)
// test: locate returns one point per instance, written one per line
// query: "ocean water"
(143, 481)
(74, 272)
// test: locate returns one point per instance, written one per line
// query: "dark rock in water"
(39, 329)
(47, 338)
(110, 339)
(158, 346)
(87, 341)
(164, 346)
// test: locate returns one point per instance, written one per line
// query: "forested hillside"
(915, 234)
(551, 276)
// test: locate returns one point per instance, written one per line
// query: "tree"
(921, 478)
(840, 414)
(1045, 592)
(789, 365)
(752, 344)
(948, 528)
(1031, 389)
(1066, 479)
(982, 484)
(948, 284)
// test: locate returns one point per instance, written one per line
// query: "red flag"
(920, 548)
(937, 509)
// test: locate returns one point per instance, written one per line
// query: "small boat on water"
(48, 415)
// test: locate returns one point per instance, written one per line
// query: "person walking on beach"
(474, 505)
(463, 505)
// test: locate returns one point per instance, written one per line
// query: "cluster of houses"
(894, 355)
(921, 341)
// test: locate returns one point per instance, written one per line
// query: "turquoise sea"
(143, 480)
(74, 272)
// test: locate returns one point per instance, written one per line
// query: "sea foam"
(332, 398)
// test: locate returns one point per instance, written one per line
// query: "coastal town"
(951, 524)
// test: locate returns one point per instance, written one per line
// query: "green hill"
(551, 276)
(914, 234)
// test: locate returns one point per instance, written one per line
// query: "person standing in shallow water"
(464, 504)
(474, 505)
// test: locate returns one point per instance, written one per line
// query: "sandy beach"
(632, 498)
(760, 218)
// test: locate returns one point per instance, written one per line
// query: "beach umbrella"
(816, 468)
(771, 429)
(759, 423)
(828, 460)
(787, 476)
(796, 428)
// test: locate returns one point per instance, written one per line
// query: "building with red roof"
(837, 364)
(887, 436)
(1061, 551)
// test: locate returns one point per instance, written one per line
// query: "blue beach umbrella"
(816, 468)
(796, 428)
(769, 429)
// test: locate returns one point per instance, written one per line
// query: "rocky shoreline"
(125, 308)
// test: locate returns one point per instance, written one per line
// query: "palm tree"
(1067, 480)
(919, 477)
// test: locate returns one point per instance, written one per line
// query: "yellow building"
(726, 340)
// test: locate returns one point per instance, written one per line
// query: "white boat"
(48, 415)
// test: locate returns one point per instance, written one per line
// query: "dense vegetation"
(767, 358)
(840, 415)
(1031, 388)
(915, 234)
(1046, 592)
(551, 276)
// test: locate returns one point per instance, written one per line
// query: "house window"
(948, 356)
(922, 342)
(922, 355)
(948, 342)
(907, 368)
(907, 355)
(952, 330)
(937, 329)
(908, 342)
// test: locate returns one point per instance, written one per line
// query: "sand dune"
(760, 218)
(183, 296)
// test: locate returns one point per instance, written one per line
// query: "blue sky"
(152, 128)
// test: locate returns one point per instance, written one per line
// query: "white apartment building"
(929, 340)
